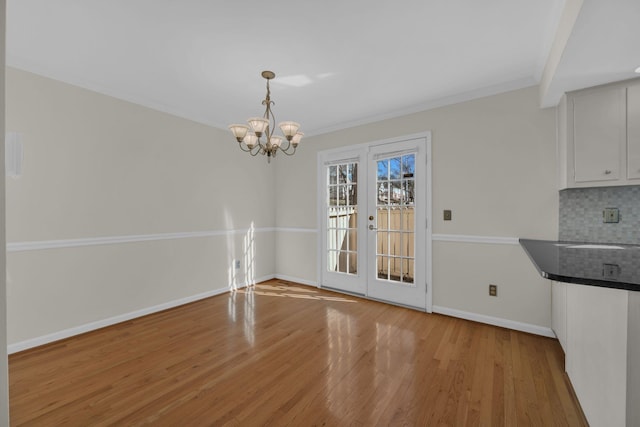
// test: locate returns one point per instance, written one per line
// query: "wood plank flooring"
(285, 354)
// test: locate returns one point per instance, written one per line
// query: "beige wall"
(494, 166)
(4, 385)
(97, 167)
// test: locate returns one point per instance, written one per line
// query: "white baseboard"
(496, 321)
(490, 320)
(88, 327)
(297, 280)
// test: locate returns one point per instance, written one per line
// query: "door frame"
(321, 183)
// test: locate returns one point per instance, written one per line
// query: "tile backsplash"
(581, 214)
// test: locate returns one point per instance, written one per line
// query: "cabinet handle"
(607, 172)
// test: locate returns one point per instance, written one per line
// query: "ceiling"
(337, 62)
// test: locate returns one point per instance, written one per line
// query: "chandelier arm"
(284, 150)
(246, 150)
(259, 149)
(287, 152)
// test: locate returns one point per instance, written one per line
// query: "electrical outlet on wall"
(610, 271)
(611, 215)
(237, 264)
(493, 290)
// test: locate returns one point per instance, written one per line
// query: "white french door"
(396, 243)
(342, 191)
(374, 200)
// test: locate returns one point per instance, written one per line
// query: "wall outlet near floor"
(493, 290)
(447, 214)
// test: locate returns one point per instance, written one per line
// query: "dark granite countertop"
(608, 265)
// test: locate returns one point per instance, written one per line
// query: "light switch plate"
(611, 215)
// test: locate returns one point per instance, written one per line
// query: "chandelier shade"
(289, 129)
(296, 138)
(259, 125)
(239, 131)
(250, 137)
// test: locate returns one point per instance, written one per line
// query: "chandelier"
(250, 138)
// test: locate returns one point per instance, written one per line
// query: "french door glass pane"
(383, 267)
(342, 263)
(395, 245)
(353, 239)
(332, 172)
(342, 218)
(394, 168)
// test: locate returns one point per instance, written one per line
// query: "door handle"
(371, 227)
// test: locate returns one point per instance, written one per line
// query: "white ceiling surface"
(603, 47)
(337, 62)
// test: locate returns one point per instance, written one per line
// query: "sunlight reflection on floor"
(286, 291)
(286, 288)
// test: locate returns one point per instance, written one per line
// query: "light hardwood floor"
(286, 354)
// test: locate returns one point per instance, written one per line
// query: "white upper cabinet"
(633, 132)
(599, 136)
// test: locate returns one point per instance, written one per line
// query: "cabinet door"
(633, 132)
(599, 135)
(596, 356)
(559, 312)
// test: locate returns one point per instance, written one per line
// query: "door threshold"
(340, 291)
(359, 295)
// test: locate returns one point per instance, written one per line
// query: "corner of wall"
(4, 375)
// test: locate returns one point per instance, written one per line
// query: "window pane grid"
(395, 184)
(341, 214)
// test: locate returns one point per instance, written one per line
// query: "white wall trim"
(297, 280)
(296, 230)
(110, 240)
(461, 238)
(496, 321)
(92, 326)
